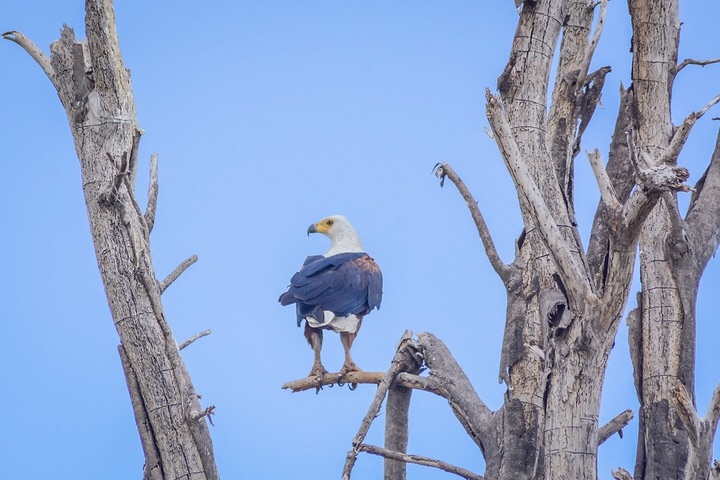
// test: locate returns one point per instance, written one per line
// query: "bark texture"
(94, 87)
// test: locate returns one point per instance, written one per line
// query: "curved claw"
(339, 381)
(352, 386)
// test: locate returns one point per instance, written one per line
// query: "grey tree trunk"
(94, 87)
(565, 302)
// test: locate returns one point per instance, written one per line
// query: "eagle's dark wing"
(344, 284)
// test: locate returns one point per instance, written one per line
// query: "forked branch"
(683, 132)
(399, 362)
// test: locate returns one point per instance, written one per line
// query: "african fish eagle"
(336, 290)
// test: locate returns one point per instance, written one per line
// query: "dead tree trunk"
(94, 87)
(565, 302)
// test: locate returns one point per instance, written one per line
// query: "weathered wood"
(94, 87)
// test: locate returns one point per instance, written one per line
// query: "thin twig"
(503, 270)
(614, 426)
(585, 66)
(33, 50)
(177, 272)
(197, 336)
(208, 412)
(420, 460)
(692, 61)
(607, 192)
(152, 193)
(397, 364)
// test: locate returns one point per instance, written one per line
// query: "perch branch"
(607, 192)
(152, 193)
(443, 170)
(575, 278)
(403, 379)
(614, 426)
(683, 131)
(397, 364)
(420, 460)
(585, 66)
(692, 61)
(177, 272)
(197, 336)
(33, 50)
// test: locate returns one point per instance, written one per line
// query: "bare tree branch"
(152, 193)
(692, 61)
(713, 413)
(420, 460)
(607, 192)
(683, 131)
(197, 336)
(397, 364)
(614, 426)
(503, 270)
(33, 50)
(575, 278)
(585, 66)
(177, 272)
(621, 474)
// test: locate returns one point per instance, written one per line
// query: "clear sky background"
(267, 117)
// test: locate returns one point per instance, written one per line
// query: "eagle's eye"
(329, 223)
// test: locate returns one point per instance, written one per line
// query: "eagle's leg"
(314, 337)
(347, 340)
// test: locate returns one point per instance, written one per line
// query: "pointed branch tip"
(177, 272)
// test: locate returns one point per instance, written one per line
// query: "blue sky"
(267, 117)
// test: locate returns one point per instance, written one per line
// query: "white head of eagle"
(336, 290)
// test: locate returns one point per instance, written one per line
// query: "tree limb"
(585, 66)
(33, 50)
(397, 364)
(574, 279)
(614, 426)
(504, 271)
(607, 192)
(683, 131)
(177, 272)
(152, 193)
(713, 413)
(621, 474)
(420, 460)
(692, 61)
(197, 336)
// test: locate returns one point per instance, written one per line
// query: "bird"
(335, 291)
